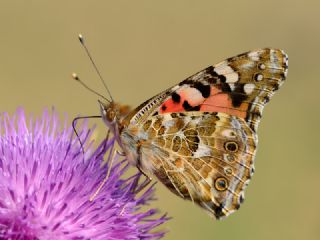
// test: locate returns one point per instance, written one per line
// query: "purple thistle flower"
(45, 186)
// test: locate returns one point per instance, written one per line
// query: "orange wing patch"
(192, 99)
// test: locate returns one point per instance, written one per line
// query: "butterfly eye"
(221, 184)
(231, 146)
(110, 115)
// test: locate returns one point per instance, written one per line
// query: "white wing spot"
(227, 71)
(259, 77)
(229, 133)
(232, 86)
(194, 95)
(254, 56)
(247, 65)
(203, 150)
(232, 78)
(248, 88)
(273, 57)
(262, 66)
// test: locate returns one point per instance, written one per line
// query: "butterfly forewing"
(239, 86)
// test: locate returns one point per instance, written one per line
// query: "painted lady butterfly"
(199, 137)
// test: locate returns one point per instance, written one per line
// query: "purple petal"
(46, 183)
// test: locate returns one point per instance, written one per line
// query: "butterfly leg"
(110, 161)
(74, 123)
(122, 154)
(105, 145)
(136, 188)
(141, 187)
(148, 178)
(145, 183)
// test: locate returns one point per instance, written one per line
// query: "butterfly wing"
(203, 157)
(239, 86)
(199, 137)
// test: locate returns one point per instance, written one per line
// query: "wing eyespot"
(231, 146)
(258, 77)
(228, 157)
(228, 171)
(221, 184)
(261, 66)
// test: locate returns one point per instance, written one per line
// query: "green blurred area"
(143, 47)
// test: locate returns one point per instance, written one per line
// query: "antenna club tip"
(75, 76)
(81, 39)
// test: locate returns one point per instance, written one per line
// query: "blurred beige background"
(145, 46)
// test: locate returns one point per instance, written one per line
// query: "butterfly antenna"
(76, 77)
(74, 123)
(81, 39)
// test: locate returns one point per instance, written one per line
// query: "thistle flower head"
(46, 183)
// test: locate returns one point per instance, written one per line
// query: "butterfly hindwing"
(203, 157)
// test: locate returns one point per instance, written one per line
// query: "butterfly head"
(109, 114)
(113, 114)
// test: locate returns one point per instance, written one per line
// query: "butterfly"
(199, 137)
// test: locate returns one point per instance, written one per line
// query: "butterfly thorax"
(115, 116)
